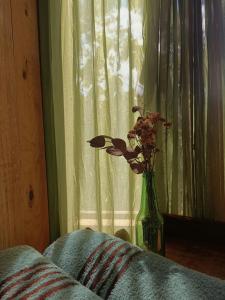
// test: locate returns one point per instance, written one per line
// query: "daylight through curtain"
(184, 75)
(100, 55)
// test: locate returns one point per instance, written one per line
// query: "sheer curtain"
(108, 44)
(184, 75)
(95, 63)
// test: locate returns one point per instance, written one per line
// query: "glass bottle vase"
(149, 221)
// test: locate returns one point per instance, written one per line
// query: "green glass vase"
(149, 221)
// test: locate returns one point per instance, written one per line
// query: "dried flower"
(140, 156)
(136, 108)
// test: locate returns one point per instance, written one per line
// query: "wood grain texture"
(204, 257)
(23, 192)
(197, 244)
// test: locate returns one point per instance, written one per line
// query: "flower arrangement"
(142, 148)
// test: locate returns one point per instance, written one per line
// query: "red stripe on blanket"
(35, 281)
(23, 271)
(55, 290)
(32, 293)
(100, 273)
(44, 285)
(121, 272)
(24, 278)
(98, 260)
(114, 270)
(83, 269)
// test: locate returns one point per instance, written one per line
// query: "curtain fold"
(215, 30)
(189, 90)
(49, 118)
(108, 42)
(95, 63)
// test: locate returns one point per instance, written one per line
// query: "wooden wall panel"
(23, 192)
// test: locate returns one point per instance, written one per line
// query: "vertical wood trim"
(23, 192)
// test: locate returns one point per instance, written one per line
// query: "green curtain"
(184, 75)
(49, 117)
(95, 59)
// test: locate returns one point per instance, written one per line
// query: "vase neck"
(148, 197)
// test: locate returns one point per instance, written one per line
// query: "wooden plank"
(8, 130)
(23, 192)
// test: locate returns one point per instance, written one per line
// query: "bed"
(103, 266)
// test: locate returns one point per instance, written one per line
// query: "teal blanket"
(115, 269)
(26, 274)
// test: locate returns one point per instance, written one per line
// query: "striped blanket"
(26, 274)
(96, 260)
(115, 269)
(106, 264)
